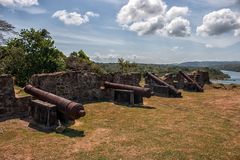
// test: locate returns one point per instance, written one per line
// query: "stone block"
(43, 115)
(126, 97)
(162, 91)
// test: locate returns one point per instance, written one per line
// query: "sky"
(143, 31)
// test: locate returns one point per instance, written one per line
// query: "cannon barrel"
(144, 92)
(161, 82)
(199, 88)
(69, 108)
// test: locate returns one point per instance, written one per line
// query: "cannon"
(193, 84)
(171, 90)
(68, 108)
(127, 94)
(144, 92)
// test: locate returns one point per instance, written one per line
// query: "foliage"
(31, 53)
(126, 66)
(5, 27)
(79, 61)
(163, 69)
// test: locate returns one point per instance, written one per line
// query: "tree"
(81, 55)
(126, 66)
(79, 61)
(38, 55)
(121, 64)
(5, 27)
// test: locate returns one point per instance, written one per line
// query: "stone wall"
(9, 104)
(7, 94)
(81, 87)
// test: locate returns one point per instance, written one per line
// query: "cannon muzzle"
(144, 92)
(71, 109)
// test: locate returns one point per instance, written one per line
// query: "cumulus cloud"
(18, 3)
(153, 17)
(220, 22)
(73, 18)
(178, 27)
(176, 12)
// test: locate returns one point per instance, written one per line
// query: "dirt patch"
(92, 140)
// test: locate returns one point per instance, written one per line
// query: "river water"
(235, 78)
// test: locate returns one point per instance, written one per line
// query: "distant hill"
(224, 65)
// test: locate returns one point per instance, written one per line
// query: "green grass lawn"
(197, 126)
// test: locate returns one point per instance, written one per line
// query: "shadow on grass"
(69, 132)
(134, 106)
(144, 107)
(73, 133)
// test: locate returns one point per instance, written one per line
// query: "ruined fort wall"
(80, 86)
(10, 105)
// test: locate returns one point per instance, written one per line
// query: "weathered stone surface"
(80, 86)
(11, 106)
(161, 91)
(43, 115)
(126, 97)
(7, 95)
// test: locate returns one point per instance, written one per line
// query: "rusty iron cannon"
(197, 87)
(69, 108)
(144, 92)
(172, 90)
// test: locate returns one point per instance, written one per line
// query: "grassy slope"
(198, 126)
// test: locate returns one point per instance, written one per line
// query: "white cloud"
(33, 10)
(176, 48)
(219, 22)
(152, 17)
(178, 27)
(87, 39)
(18, 3)
(209, 46)
(237, 32)
(176, 12)
(113, 57)
(73, 18)
(116, 2)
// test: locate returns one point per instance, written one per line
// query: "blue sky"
(146, 31)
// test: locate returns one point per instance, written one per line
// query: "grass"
(20, 92)
(197, 126)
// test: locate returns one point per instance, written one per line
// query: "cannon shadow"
(135, 106)
(144, 107)
(72, 133)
